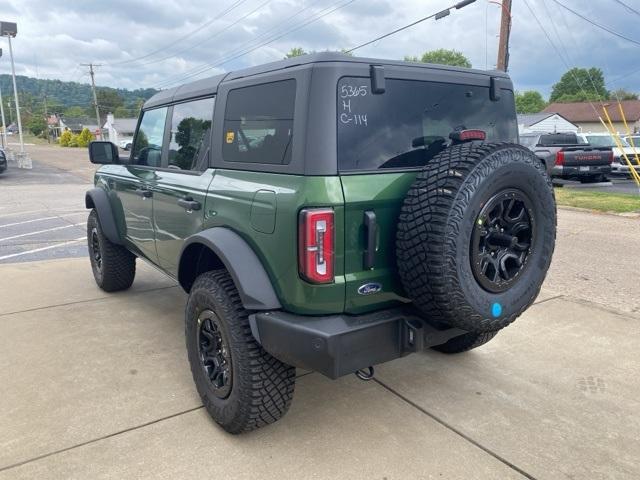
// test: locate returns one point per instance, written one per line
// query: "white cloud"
(54, 37)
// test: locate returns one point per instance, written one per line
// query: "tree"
(108, 100)
(122, 112)
(442, 56)
(37, 125)
(622, 94)
(580, 85)
(529, 101)
(75, 112)
(84, 138)
(295, 52)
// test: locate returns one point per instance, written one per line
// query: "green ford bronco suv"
(329, 213)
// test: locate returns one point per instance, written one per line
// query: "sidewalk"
(98, 386)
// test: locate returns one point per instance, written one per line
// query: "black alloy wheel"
(215, 357)
(96, 255)
(502, 240)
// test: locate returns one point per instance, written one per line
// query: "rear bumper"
(623, 167)
(337, 345)
(565, 171)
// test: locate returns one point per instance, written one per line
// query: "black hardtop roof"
(209, 86)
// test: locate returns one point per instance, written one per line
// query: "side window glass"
(148, 143)
(258, 124)
(191, 135)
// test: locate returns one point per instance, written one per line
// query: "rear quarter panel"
(246, 201)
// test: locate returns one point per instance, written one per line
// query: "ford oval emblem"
(369, 288)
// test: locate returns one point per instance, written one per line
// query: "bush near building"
(65, 138)
(82, 139)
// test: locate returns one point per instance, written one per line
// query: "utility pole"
(46, 118)
(505, 31)
(95, 97)
(4, 125)
(10, 30)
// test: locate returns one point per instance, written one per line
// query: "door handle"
(371, 228)
(189, 204)
(144, 192)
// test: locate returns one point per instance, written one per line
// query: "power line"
(184, 37)
(631, 9)
(313, 18)
(196, 70)
(216, 34)
(437, 15)
(575, 78)
(248, 48)
(602, 27)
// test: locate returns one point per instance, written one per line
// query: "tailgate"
(587, 156)
(379, 197)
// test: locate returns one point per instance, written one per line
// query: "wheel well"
(196, 259)
(88, 202)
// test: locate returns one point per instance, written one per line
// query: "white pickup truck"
(619, 164)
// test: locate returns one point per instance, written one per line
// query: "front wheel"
(113, 266)
(241, 385)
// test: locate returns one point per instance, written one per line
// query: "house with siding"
(120, 128)
(586, 115)
(544, 122)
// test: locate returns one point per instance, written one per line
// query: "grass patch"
(601, 201)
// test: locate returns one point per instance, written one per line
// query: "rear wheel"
(476, 234)
(241, 385)
(113, 266)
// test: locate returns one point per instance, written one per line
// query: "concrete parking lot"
(98, 386)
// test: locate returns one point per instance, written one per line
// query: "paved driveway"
(97, 386)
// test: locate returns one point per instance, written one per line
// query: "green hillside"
(62, 96)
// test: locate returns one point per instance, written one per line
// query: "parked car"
(325, 212)
(567, 157)
(3, 161)
(619, 165)
(126, 143)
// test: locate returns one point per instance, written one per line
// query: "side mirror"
(103, 153)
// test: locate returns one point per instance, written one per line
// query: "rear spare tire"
(476, 234)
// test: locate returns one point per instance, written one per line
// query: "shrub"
(65, 138)
(74, 141)
(84, 138)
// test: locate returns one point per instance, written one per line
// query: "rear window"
(528, 140)
(410, 123)
(558, 139)
(258, 123)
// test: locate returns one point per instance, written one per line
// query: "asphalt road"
(616, 184)
(42, 214)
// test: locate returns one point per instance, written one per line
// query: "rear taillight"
(467, 135)
(560, 158)
(611, 156)
(315, 248)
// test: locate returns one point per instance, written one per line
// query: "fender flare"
(97, 198)
(252, 281)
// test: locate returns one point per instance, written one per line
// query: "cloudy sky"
(161, 43)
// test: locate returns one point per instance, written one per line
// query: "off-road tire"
(118, 265)
(262, 386)
(466, 342)
(436, 224)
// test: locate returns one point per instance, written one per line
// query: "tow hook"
(365, 374)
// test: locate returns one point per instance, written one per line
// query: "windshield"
(604, 141)
(411, 121)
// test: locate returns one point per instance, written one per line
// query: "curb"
(600, 212)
